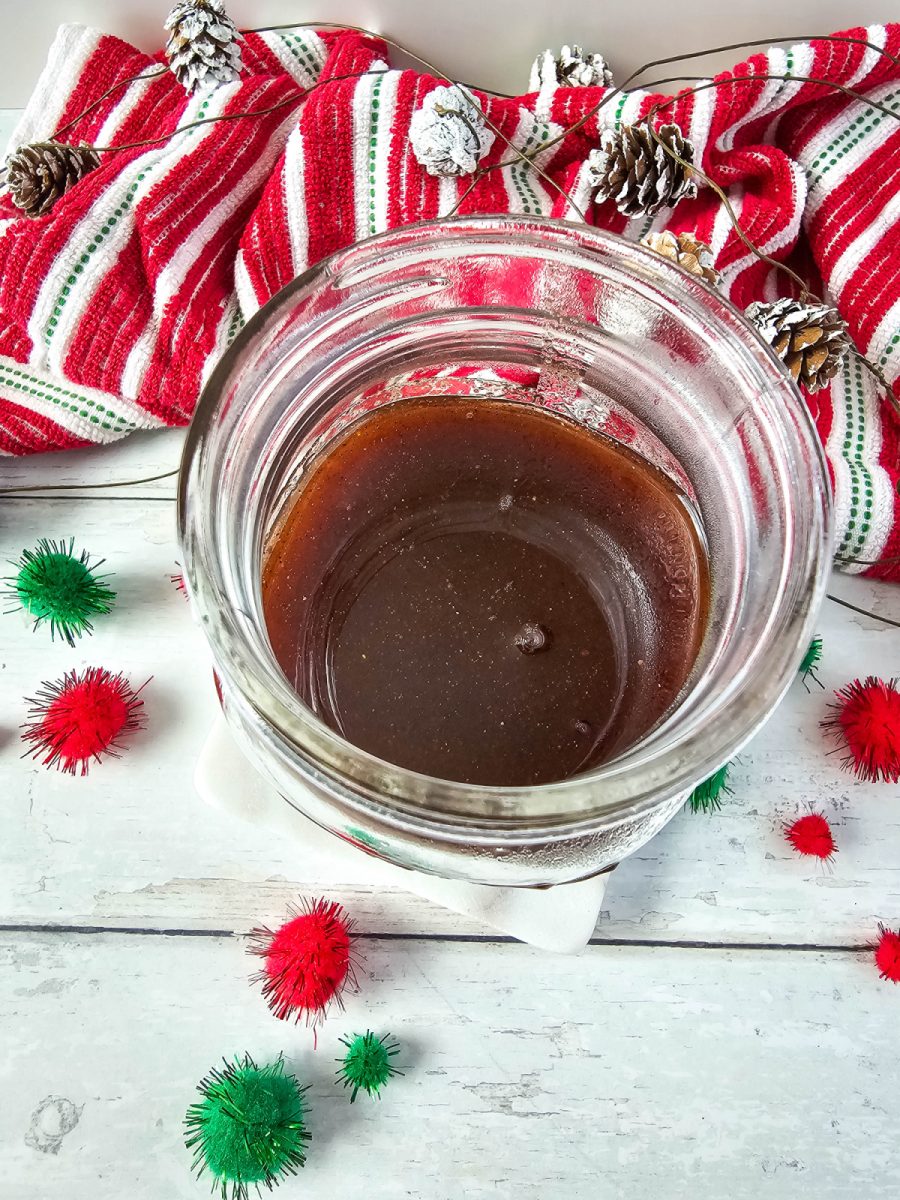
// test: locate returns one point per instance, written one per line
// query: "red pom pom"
(867, 716)
(811, 835)
(887, 954)
(82, 717)
(308, 961)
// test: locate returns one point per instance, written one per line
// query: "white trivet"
(560, 918)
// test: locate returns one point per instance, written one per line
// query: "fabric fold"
(115, 307)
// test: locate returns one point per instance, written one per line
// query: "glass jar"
(577, 321)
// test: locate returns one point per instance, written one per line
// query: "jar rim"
(657, 767)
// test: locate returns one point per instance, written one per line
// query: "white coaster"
(559, 918)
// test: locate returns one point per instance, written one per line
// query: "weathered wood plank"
(132, 845)
(623, 1072)
(136, 457)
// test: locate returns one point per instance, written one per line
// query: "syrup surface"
(484, 592)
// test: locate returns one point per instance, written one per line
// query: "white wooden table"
(724, 1035)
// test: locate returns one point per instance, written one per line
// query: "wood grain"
(625, 1072)
(132, 845)
(140, 455)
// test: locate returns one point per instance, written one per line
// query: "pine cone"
(632, 169)
(811, 339)
(448, 134)
(40, 173)
(685, 250)
(570, 68)
(203, 48)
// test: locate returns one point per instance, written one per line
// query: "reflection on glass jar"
(574, 324)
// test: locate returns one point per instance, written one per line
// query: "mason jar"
(601, 332)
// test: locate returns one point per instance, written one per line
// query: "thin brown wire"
(623, 89)
(657, 62)
(162, 70)
(258, 112)
(704, 85)
(294, 98)
(529, 157)
(96, 104)
(761, 255)
(662, 62)
(81, 487)
(529, 162)
(435, 70)
(843, 561)
(521, 155)
(403, 49)
(124, 483)
(863, 611)
(109, 91)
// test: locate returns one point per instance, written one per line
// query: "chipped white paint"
(626, 1072)
(133, 845)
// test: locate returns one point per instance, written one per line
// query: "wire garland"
(529, 158)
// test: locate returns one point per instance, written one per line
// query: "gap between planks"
(465, 938)
(60, 497)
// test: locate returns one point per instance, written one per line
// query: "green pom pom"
(811, 660)
(707, 796)
(54, 585)
(367, 1064)
(249, 1127)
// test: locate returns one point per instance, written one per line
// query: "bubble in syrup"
(532, 638)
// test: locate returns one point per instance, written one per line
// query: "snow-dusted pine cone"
(448, 134)
(634, 170)
(811, 339)
(570, 68)
(687, 251)
(203, 48)
(40, 173)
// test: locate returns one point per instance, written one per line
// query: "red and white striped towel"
(115, 307)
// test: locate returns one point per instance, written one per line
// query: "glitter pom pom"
(811, 835)
(887, 954)
(249, 1128)
(867, 718)
(367, 1064)
(810, 661)
(82, 717)
(60, 589)
(308, 961)
(707, 796)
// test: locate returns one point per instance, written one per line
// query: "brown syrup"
(484, 592)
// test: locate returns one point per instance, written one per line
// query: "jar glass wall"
(599, 331)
